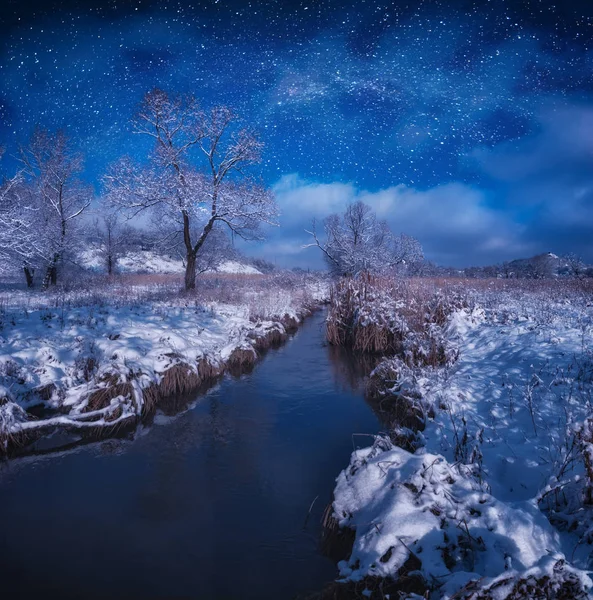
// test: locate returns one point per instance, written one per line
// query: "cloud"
(562, 146)
(535, 195)
(546, 180)
(453, 221)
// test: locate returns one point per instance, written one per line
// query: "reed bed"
(394, 317)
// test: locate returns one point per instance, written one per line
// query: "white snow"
(139, 261)
(60, 349)
(232, 266)
(148, 261)
(469, 503)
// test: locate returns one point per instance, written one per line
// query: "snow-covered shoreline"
(485, 498)
(95, 368)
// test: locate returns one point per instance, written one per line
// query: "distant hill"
(544, 265)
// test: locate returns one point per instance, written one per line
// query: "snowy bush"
(393, 317)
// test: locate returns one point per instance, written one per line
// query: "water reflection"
(351, 369)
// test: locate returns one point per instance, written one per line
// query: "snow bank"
(402, 504)
(104, 365)
(148, 261)
(497, 492)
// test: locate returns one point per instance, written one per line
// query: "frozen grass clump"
(11, 415)
(392, 316)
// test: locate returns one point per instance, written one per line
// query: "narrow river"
(210, 503)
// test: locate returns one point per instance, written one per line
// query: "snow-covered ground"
(148, 261)
(495, 495)
(89, 359)
(233, 266)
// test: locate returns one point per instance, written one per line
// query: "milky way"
(375, 93)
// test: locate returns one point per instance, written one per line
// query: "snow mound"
(138, 261)
(420, 507)
(91, 259)
(148, 261)
(232, 266)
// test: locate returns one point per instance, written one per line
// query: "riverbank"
(85, 364)
(220, 500)
(483, 487)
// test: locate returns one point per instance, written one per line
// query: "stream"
(209, 503)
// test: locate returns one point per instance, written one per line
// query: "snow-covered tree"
(575, 265)
(15, 230)
(56, 198)
(113, 236)
(407, 251)
(358, 242)
(195, 176)
(216, 249)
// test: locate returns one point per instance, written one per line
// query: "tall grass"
(394, 317)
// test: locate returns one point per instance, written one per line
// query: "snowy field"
(104, 355)
(489, 493)
(148, 261)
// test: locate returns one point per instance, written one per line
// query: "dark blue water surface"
(210, 503)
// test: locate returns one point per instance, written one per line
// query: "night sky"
(466, 124)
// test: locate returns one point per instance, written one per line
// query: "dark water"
(208, 504)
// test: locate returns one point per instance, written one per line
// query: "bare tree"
(57, 198)
(113, 235)
(407, 250)
(357, 242)
(575, 265)
(14, 227)
(196, 174)
(216, 249)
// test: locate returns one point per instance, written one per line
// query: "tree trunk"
(29, 274)
(109, 265)
(190, 271)
(51, 273)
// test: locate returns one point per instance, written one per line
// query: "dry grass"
(180, 379)
(336, 542)
(272, 338)
(241, 360)
(388, 316)
(102, 397)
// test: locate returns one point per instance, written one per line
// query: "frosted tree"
(354, 242)
(196, 175)
(357, 242)
(575, 265)
(215, 250)
(112, 237)
(15, 230)
(57, 198)
(407, 250)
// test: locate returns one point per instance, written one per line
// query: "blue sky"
(467, 124)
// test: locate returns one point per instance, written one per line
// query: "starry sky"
(466, 123)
